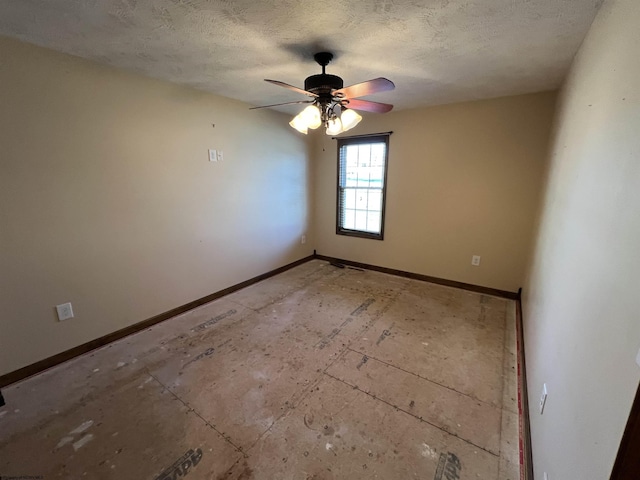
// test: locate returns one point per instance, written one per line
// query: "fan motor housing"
(323, 83)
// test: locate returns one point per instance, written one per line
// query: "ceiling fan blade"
(368, 106)
(365, 88)
(278, 104)
(291, 87)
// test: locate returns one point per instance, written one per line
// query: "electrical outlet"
(213, 155)
(303, 239)
(220, 157)
(65, 311)
(475, 260)
(543, 398)
(546, 477)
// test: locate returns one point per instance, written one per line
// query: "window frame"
(377, 138)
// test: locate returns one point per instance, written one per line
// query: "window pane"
(349, 219)
(361, 220)
(350, 198)
(352, 156)
(377, 176)
(377, 154)
(361, 198)
(373, 221)
(363, 176)
(375, 200)
(351, 179)
(364, 155)
(350, 152)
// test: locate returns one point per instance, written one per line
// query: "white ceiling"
(436, 51)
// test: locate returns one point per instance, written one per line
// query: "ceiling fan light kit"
(334, 105)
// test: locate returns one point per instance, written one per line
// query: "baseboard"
(62, 357)
(526, 457)
(424, 278)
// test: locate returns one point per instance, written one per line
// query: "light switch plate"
(213, 155)
(638, 358)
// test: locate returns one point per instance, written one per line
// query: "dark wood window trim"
(358, 140)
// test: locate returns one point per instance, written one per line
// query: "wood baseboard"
(61, 357)
(526, 457)
(424, 278)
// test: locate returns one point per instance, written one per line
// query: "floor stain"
(385, 333)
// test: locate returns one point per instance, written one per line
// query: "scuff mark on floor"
(81, 428)
(366, 304)
(428, 452)
(364, 360)
(211, 322)
(64, 441)
(145, 382)
(208, 352)
(385, 333)
(83, 441)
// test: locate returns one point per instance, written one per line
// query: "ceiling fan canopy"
(333, 104)
(323, 82)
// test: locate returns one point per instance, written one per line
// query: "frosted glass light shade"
(299, 124)
(334, 126)
(350, 119)
(311, 116)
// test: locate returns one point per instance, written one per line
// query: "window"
(362, 175)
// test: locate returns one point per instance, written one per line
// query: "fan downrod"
(323, 59)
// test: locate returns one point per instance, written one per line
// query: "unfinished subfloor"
(316, 373)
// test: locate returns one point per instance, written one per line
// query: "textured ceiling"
(436, 51)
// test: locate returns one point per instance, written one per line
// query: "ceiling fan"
(333, 105)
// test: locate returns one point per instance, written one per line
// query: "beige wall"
(581, 304)
(463, 180)
(108, 201)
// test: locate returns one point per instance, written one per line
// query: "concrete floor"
(317, 373)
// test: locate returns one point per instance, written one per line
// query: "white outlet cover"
(220, 157)
(65, 311)
(475, 260)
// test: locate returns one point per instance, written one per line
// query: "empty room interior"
(411, 252)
